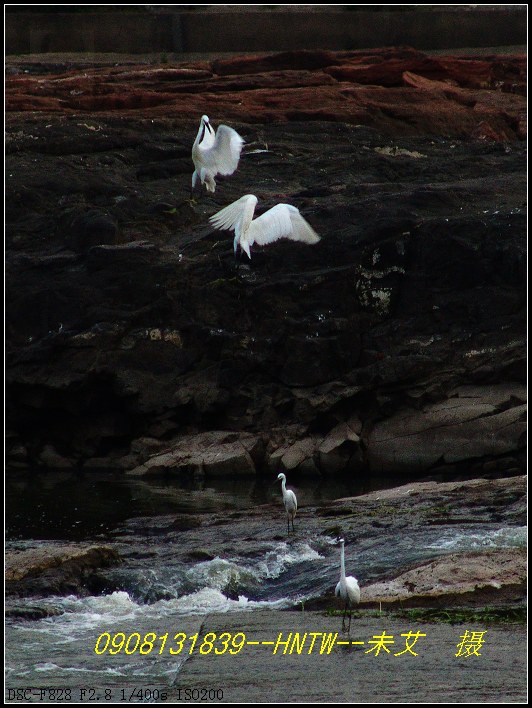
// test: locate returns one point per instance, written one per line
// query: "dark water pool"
(59, 505)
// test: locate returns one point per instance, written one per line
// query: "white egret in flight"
(347, 589)
(289, 501)
(281, 221)
(215, 154)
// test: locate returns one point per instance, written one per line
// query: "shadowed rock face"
(469, 424)
(128, 320)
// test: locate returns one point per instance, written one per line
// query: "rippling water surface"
(65, 505)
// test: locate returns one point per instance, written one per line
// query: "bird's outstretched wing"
(222, 158)
(237, 216)
(282, 221)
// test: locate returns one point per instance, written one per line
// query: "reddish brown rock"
(400, 90)
(162, 75)
(251, 82)
(309, 60)
(501, 73)
(503, 116)
(449, 90)
(385, 73)
(484, 131)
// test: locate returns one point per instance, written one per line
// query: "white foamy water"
(210, 578)
(80, 615)
(276, 562)
(218, 573)
(110, 612)
(209, 600)
(221, 574)
(68, 641)
(47, 666)
(465, 540)
(83, 619)
(206, 582)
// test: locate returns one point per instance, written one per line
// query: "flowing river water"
(176, 572)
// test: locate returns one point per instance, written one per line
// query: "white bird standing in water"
(281, 221)
(289, 501)
(215, 154)
(347, 589)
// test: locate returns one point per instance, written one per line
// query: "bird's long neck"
(283, 486)
(200, 135)
(204, 138)
(342, 563)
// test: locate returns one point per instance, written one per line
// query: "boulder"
(467, 426)
(55, 568)
(49, 457)
(214, 453)
(458, 579)
(294, 455)
(340, 451)
(385, 73)
(306, 59)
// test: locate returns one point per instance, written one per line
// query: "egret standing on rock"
(347, 589)
(281, 221)
(215, 154)
(289, 501)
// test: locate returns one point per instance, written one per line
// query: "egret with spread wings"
(215, 154)
(281, 221)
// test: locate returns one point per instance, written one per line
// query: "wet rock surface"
(403, 544)
(54, 569)
(424, 544)
(395, 545)
(456, 580)
(128, 320)
(350, 673)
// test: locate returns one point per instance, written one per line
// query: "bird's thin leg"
(293, 529)
(193, 186)
(343, 618)
(349, 628)
(288, 519)
(235, 249)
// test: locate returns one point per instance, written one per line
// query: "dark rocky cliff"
(395, 344)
